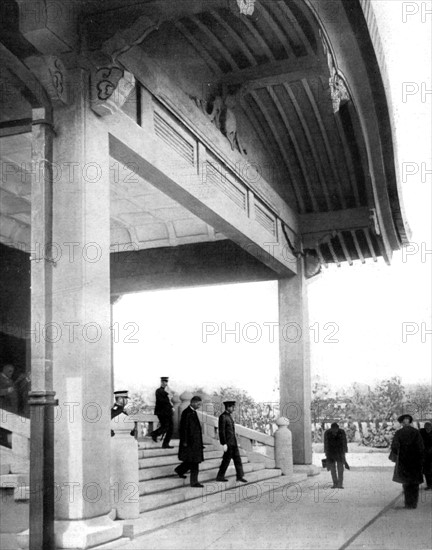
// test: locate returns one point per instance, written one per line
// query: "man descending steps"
(191, 443)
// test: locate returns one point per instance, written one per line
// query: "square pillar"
(80, 331)
(295, 379)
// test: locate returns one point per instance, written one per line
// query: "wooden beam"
(276, 72)
(336, 220)
(177, 179)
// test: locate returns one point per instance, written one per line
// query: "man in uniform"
(191, 443)
(335, 449)
(228, 439)
(407, 446)
(121, 400)
(164, 411)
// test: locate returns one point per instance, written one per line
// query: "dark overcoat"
(335, 445)
(191, 441)
(163, 403)
(408, 447)
(227, 430)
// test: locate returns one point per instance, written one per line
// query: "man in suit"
(191, 443)
(228, 439)
(164, 411)
(335, 449)
(408, 447)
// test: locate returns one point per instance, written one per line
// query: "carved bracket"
(338, 89)
(52, 74)
(220, 111)
(246, 7)
(109, 89)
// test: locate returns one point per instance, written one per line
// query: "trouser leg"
(168, 430)
(332, 465)
(226, 459)
(340, 470)
(193, 473)
(411, 493)
(238, 463)
(182, 468)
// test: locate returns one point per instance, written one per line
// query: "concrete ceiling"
(141, 216)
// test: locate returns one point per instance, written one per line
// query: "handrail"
(241, 431)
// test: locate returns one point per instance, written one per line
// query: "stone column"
(82, 316)
(41, 398)
(295, 383)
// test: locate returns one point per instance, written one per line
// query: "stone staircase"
(160, 488)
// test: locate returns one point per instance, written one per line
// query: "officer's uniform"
(164, 411)
(227, 437)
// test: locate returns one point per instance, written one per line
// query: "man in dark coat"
(164, 411)
(335, 449)
(191, 443)
(407, 446)
(228, 439)
(426, 433)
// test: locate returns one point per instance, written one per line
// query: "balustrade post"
(283, 447)
(124, 482)
(176, 414)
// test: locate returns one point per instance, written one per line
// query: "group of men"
(191, 446)
(411, 450)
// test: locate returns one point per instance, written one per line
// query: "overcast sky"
(357, 314)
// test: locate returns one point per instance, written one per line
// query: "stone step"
(166, 470)
(211, 498)
(112, 545)
(153, 452)
(180, 494)
(167, 459)
(167, 483)
(148, 443)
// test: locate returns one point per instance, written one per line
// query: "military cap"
(229, 403)
(403, 416)
(164, 378)
(122, 393)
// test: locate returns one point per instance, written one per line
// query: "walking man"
(426, 434)
(191, 443)
(335, 449)
(228, 439)
(408, 447)
(164, 411)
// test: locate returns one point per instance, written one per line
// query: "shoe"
(340, 487)
(167, 447)
(242, 479)
(180, 475)
(197, 485)
(221, 479)
(154, 437)
(334, 487)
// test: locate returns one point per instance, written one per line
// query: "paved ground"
(368, 514)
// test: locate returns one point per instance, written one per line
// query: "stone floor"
(368, 514)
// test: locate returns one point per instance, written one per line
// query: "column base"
(80, 534)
